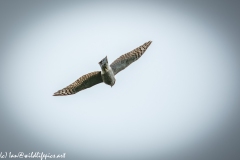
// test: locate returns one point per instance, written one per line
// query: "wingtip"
(62, 92)
(57, 94)
(147, 44)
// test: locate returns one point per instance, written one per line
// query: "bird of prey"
(107, 75)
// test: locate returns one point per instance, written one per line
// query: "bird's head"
(103, 63)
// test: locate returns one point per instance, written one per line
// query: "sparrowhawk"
(107, 75)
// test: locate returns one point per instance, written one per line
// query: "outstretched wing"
(125, 60)
(82, 83)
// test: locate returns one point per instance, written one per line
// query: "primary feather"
(125, 60)
(84, 82)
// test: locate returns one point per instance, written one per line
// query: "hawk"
(107, 73)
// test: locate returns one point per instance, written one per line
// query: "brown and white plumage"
(125, 60)
(84, 82)
(107, 73)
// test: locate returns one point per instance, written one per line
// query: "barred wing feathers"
(84, 82)
(125, 60)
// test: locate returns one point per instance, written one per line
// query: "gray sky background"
(188, 109)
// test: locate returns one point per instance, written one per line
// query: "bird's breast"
(108, 77)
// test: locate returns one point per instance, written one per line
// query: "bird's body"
(108, 76)
(107, 73)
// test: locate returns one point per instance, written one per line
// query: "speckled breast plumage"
(108, 77)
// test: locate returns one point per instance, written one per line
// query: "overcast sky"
(178, 101)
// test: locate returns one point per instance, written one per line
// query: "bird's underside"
(107, 73)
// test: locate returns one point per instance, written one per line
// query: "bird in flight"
(107, 75)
